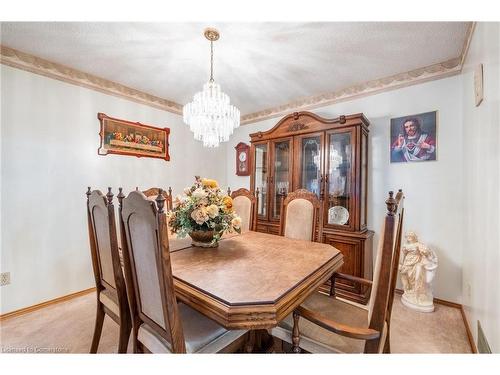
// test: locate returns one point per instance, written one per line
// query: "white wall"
(481, 202)
(433, 189)
(49, 141)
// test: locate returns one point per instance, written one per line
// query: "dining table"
(252, 280)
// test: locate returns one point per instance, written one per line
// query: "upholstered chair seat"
(201, 334)
(316, 339)
(107, 265)
(326, 324)
(244, 204)
(153, 194)
(299, 215)
(161, 324)
(243, 207)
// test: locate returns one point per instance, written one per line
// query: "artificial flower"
(200, 215)
(204, 206)
(199, 193)
(236, 222)
(177, 201)
(209, 183)
(213, 211)
(228, 202)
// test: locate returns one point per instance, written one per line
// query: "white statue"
(417, 268)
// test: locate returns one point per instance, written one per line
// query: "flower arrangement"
(203, 208)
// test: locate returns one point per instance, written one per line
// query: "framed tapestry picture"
(132, 138)
(413, 138)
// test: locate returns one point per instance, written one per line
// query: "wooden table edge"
(256, 316)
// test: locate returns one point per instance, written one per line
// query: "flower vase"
(203, 238)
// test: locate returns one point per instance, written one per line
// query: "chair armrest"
(338, 275)
(338, 328)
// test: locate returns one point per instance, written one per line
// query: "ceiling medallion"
(210, 115)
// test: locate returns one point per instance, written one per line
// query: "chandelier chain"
(211, 61)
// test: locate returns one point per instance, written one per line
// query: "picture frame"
(413, 138)
(129, 138)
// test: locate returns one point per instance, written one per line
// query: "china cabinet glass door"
(261, 178)
(310, 163)
(281, 175)
(339, 194)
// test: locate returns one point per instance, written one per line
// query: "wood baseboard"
(436, 300)
(38, 306)
(472, 343)
(455, 305)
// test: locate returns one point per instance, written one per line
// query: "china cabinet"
(329, 158)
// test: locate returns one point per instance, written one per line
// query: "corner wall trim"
(397, 81)
(455, 305)
(38, 306)
(424, 74)
(37, 65)
(472, 343)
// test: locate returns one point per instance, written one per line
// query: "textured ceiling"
(259, 65)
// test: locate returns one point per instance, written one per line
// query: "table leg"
(277, 346)
(249, 346)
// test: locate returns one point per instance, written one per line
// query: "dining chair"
(299, 215)
(327, 324)
(152, 193)
(159, 323)
(110, 283)
(245, 205)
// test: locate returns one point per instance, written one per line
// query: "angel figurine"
(417, 268)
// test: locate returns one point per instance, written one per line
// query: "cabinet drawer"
(351, 250)
(268, 228)
(274, 229)
(261, 228)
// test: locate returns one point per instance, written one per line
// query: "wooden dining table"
(250, 281)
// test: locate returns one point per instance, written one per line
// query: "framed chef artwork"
(413, 138)
(242, 159)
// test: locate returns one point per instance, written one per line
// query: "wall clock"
(242, 159)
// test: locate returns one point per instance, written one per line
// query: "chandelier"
(210, 116)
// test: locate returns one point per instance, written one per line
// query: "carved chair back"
(245, 205)
(395, 263)
(153, 192)
(385, 272)
(104, 249)
(299, 215)
(148, 270)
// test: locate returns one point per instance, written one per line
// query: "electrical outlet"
(468, 290)
(4, 278)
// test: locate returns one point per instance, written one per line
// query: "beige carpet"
(67, 327)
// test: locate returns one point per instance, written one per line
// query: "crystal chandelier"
(210, 116)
